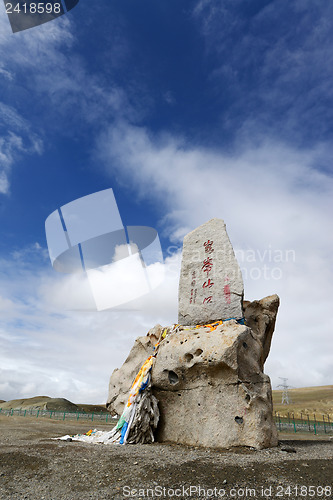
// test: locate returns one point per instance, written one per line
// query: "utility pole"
(285, 387)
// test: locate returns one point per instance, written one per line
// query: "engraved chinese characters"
(211, 284)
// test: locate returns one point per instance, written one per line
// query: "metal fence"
(304, 422)
(315, 424)
(59, 415)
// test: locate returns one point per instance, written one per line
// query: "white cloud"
(6, 74)
(44, 61)
(12, 147)
(56, 74)
(274, 201)
(35, 51)
(48, 349)
(270, 77)
(271, 196)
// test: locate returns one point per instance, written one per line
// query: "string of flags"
(120, 434)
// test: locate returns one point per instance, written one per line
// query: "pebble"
(288, 449)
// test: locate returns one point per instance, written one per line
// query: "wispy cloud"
(63, 352)
(45, 69)
(271, 67)
(43, 62)
(273, 199)
(270, 86)
(13, 146)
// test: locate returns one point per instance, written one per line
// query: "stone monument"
(211, 284)
(208, 377)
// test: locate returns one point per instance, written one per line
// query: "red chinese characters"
(226, 290)
(207, 267)
(208, 284)
(209, 246)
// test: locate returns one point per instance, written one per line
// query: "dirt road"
(32, 466)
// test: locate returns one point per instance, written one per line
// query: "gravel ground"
(32, 466)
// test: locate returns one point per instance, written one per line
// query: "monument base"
(211, 390)
(209, 380)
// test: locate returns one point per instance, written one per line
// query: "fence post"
(279, 422)
(64, 415)
(294, 425)
(92, 417)
(324, 424)
(314, 423)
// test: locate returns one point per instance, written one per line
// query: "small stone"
(288, 449)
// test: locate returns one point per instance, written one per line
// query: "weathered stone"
(210, 385)
(211, 285)
(260, 316)
(122, 379)
(211, 389)
(155, 334)
(289, 449)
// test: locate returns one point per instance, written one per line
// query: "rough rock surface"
(260, 316)
(211, 388)
(210, 384)
(122, 379)
(211, 284)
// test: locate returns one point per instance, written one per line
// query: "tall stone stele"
(211, 284)
(209, 380)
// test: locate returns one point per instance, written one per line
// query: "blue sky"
(188, 110)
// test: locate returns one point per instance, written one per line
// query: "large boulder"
(210, 383)
(211, 389)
